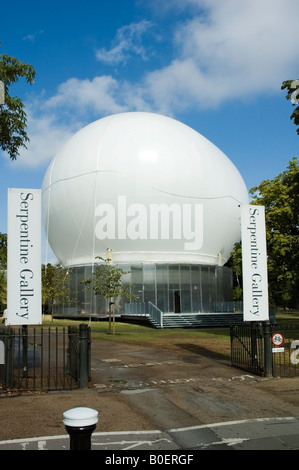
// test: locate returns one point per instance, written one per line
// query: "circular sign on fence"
(277, 339)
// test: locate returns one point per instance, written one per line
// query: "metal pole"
(253, 337)
(83, 351)
(268, 349)
(25, 350)
(80, 423)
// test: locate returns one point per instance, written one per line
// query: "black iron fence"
(248, 347)
(286, 355)
(44, 359)
(265, 349)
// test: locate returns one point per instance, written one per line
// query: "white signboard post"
(254, 264)
(24, 257)
(2, 93)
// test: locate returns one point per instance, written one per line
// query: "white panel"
(2, 93)
(24, 257)
(254, 260)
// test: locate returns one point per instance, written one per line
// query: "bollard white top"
(80, 416)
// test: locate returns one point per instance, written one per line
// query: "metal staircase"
(158, 319)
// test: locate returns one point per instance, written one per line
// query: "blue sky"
(215, 65)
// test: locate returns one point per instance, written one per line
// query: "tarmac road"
(256, 434)
(161, 400)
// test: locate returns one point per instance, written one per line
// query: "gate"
(247, 347)
(79, 354)
(286, 355)
(44, 359)
(253, 350)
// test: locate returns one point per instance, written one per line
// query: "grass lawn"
(214, 340)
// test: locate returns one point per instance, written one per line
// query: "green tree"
(13, 119)
(55, 286)
(280, 197)
(3, 250)
(107, 282)
(3, 290)
(235, 263)
(293, 95)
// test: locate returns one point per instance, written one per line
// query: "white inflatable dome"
(146, 186)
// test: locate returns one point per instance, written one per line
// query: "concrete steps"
(191, 320)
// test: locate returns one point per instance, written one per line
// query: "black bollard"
(80, 423)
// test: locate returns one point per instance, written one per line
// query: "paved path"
(253, 434)
(160, 400)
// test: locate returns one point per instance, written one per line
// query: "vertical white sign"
(2, 93)
(24, 257)
(254, 264)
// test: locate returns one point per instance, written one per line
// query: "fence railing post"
(268, 349)
(83, 355)
(25, 350)
(6, 368)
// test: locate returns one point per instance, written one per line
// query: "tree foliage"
(235, 264)
(293, 95)
(107, 282)
(13, 119)
(3, 251)
(55, 286)
(280, 197)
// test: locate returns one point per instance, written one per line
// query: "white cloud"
(256, 39)
(128, 42)
(96, 95)
(46, 137)
(51, 122)
(235, 49)
(226, 49)
(32, 37)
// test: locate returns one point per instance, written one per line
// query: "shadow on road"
(201, 351)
